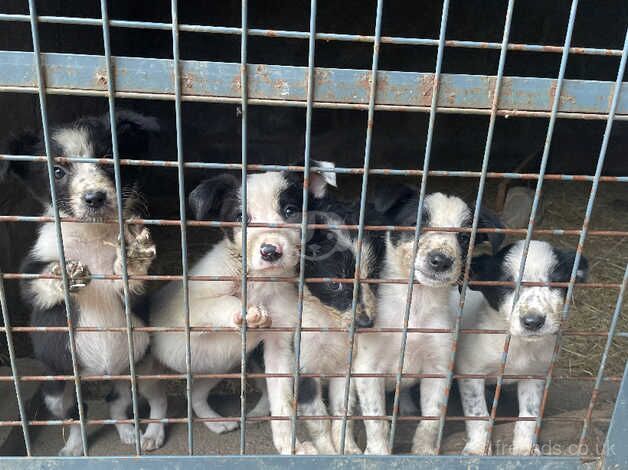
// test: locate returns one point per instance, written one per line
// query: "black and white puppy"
(86, 191)
(438, 266)
(332, 254)
(533, 322)
(273, 197)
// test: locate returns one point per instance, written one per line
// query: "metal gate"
(246, 84)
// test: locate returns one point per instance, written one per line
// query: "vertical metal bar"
(585, 226)
(358, 258)
(615, 455)
(120, 215)
(478, 204)
(423, 187)
(607, 348)
(183, 217)
(244, 104)
(41, 86)
(16, 381)
(535, 203)
(304, 211)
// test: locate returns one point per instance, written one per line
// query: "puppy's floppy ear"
(320, 180)
(488, 219)
(390, 200)
(207, 198)
(134, 131)
(566, 259)
(25, 143)
(482, 269)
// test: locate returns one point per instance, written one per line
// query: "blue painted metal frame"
(287, 85)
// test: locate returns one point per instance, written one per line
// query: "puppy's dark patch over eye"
(238, 218)
(290, 210)
(59, 172)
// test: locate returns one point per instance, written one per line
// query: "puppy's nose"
(95, 199)
(439, 261)
(533, 322)
(364, 321)
(270, 252)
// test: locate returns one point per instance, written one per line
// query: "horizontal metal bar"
(295, 168)
(174, 277)
(286, 329)
(287, 83)
(373, 228)
(306, 462)
(272, 33)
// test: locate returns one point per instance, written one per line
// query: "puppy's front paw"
(477, 448)
(140, 251)
(305, 448)
(78, 275)
(423, 447)
(377, 449)
(525, 448)
(256, 317)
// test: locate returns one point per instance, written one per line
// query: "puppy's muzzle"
(533, 321)
(95, 199)
(270, 253)
(439, 261)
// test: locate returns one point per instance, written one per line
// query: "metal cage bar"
(535, 205)
(244, 106)
(304, 222)
(585, 226)
(120, 214)
(55, 209)
(417, 230)
(362, 217)
(183, 218)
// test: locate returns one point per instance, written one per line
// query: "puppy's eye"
(290, 211)
(336, 286)
(59, 172)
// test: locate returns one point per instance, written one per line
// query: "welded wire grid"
(310, 103)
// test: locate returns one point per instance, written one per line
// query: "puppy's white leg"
(371, 394)
(153, 391)
(279, 359)
(262, 407)
(60, 399)
(118, 404)
(474, 404)
(319, 429)
(432, 400)
(530, 393)
(336, 403)
(200, 392)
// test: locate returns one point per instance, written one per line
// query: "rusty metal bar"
(41, 89)
(358, 257)
(535, 205)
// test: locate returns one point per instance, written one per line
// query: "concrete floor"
(567, 399)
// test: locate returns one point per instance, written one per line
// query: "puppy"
(333, 254)
(86, 191)
(438, 266)
(273, 197)
(533, 322)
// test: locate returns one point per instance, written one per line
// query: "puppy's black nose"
(95, 199)
(439, 261)
(364, 321)
(533, 322)
(270, 252)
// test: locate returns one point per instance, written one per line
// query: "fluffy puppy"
(533, 322)
(438, 266)
(333, 254)
(273, 197)
(86, 191)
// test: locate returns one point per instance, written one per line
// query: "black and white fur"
(533, 323)
(438, 266)
(87, 191)
(272, 197)
(333, 254)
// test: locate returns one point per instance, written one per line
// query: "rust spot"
(271, 34)
(365, 82)
(187, 80)
(577, 50)
(101, 78)
(236, 84)
(552, 91)
(426, 87)
(516, 47)
(451, 98)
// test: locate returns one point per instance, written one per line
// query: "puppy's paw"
(126, 433)
(221, 427)
(477, 448)
(153, 438)
(423, 447)
(377, 449)
(305, 448)
(78, 274)
(140, 251)
(525, 448)
(256, 317)
(71, 451)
